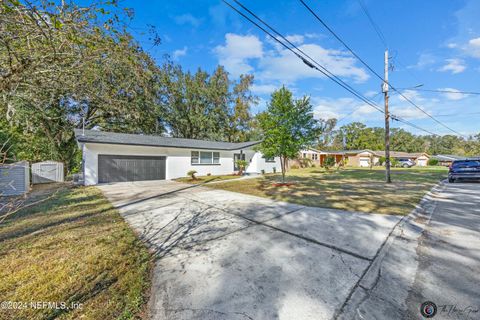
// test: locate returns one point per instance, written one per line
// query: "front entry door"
(236, 157)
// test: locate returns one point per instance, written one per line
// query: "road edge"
(408, 228)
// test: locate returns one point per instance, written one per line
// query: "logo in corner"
(428, 309)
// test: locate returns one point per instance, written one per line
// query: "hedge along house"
(119, 157)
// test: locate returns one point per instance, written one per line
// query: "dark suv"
(464, 169)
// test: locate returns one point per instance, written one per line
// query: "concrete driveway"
(225, 255)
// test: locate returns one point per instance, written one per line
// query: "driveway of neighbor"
(225, 255)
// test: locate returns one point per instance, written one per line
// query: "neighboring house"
(317, 157)
(116, 157)
(366, 157)
(312, 155)
(446, 159)
(421, 159)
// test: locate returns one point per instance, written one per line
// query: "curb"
(409, 227)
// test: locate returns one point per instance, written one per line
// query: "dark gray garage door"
(117, 168)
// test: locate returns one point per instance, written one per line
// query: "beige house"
(354, 158)
(366, 158)
(317, 158)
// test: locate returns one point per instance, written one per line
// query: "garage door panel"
(120, 168)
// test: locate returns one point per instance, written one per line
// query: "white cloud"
(284, 66)
(473, 47)
(179, 53)
(411, 95)
(295, 38)
(454, 66)
(264, 88)
(244, 54)
(188, 18)
(424, 60)
(327, 108)
(407, 112)
(452, 95)
(371, 93)
(237, 52)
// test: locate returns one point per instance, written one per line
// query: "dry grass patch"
(73, 248)
(349, 189)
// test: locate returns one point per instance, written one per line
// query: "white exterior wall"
(258, 163)
(178, 161)
(422, 161)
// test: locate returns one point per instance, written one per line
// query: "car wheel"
(451, 180)
(405, 166)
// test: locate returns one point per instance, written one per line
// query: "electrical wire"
(374, 25)
(373, 71)
(446, 91)
(312, 63)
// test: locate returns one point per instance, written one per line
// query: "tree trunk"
(283, 165)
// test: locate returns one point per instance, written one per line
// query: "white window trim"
(214, 156)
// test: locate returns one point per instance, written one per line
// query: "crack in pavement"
(263, 223)
(424, 206)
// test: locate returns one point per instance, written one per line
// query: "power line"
(373, 71)
(456, 114)
(312, 63)
(447, 91)
(374, 25)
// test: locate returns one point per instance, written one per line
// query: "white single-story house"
(117, 157)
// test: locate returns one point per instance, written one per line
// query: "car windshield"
(466, 164)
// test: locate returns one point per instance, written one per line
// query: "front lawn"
(72, 248)
(205, 179)
(352, 189)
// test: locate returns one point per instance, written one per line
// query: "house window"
(304, 155)
(272, 159)
(195, 157)
(314, 156)
(205, 157)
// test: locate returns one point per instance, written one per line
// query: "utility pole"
(387, 122)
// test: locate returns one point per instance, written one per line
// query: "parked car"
(464, 169)
(406, 163)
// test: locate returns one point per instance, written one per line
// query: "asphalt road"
(435, 257)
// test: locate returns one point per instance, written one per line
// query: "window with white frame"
(205, 157)
(272, 159)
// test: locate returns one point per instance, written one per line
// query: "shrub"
(294, 166)
(274, 170)
(262, 171)
(241, 164)
(432, 162)
(382, 160)
(209, 174)
(329, 162)
(192, 174)
(394, 162)
(305, 162)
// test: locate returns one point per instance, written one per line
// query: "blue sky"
(432, 42)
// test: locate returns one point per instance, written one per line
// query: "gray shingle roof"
(94, 136)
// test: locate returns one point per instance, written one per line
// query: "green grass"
(74, 247)
(205, 179)
(353, 189)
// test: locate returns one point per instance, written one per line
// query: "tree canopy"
(63, 65)
(288, 126)
(357, 135)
